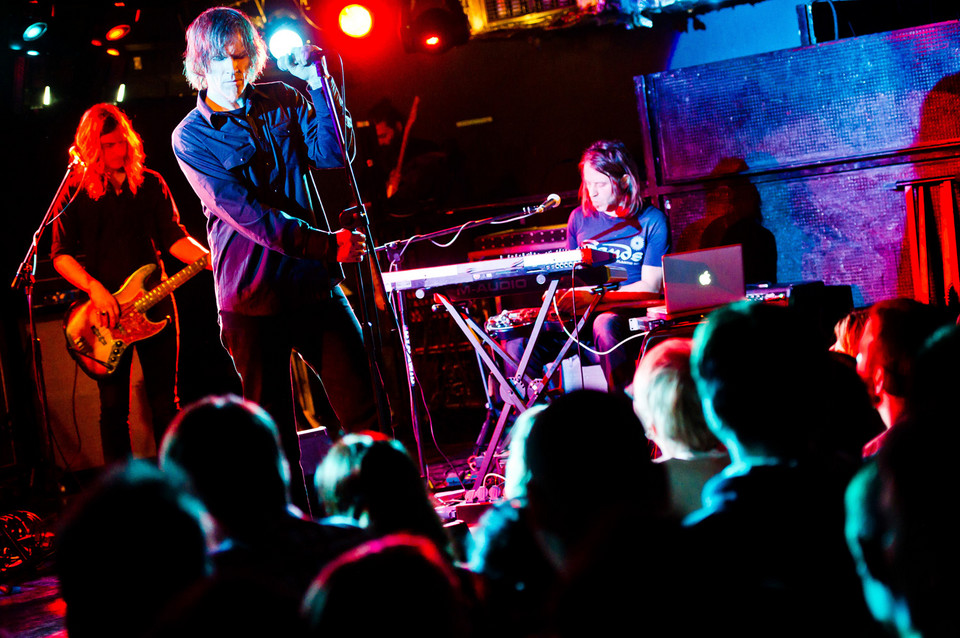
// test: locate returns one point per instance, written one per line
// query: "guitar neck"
(166, 287)
(406, 131)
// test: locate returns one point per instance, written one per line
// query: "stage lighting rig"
(356, 20)
(433, 26)
(283, 31)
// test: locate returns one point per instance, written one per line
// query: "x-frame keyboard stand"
(520, 391)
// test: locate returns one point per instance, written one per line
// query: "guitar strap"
(163, 271)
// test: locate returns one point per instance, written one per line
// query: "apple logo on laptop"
(705, 279)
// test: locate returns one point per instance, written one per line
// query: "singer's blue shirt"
(250, 169)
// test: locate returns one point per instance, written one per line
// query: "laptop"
(698, 281)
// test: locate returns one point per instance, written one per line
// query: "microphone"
(75, 157)
(552, 201)
(316, 54)
(351, 217)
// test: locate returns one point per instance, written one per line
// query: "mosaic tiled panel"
(816, 122)
(845, 99)
(840, 228)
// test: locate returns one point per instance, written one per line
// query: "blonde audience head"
(666, 401)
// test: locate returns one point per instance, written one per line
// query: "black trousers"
(327, 335)
(158, 359)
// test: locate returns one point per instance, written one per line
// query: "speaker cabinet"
(74, 404)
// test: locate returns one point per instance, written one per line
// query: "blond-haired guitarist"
(119, 218)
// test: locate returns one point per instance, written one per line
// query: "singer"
(247, 149)
(120, 220)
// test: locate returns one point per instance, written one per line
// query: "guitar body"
(96, 348)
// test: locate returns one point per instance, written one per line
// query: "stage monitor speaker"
(74, 404)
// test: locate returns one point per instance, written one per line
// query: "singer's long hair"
(611, 158)
(103, 119)
(208, 37)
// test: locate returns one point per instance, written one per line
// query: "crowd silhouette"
(758, 483)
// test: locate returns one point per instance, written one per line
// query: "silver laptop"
(700, 280)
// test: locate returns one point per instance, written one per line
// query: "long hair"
(611, 158)
(103, 119)
(208, 37)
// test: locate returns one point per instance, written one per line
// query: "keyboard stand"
(520, 391)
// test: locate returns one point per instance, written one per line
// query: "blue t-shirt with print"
(639, 240)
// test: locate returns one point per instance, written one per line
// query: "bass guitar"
(95, 347)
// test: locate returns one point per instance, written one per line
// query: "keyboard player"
(612, 216)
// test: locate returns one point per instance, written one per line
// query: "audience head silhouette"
(131, 544)
(748, 359)
(396, 585)
(898, 530)
(231, 451)
(893, 335)
(373, 480)
(550, 469)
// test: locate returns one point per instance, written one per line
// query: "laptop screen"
(703, 279)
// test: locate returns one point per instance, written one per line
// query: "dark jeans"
(158, 359)
(327, 335)
(609, 329)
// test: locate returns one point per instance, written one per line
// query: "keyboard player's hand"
(574, 299)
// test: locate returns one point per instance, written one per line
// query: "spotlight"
(282, 32)
(283, 41)
(356, 20)
(118, 32)
(34, 31)
(434, 28)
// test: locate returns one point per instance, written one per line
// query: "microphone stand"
(26, 279)
(369, 320)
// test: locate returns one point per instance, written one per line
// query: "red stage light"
(96, 43)
(432, 41)
(113, 52)
(118, 32)
(356, 20)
